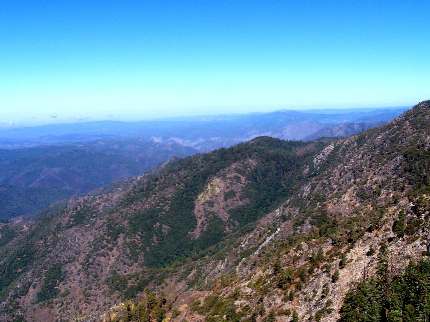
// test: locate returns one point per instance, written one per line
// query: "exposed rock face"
(221, 194)
(267, 229)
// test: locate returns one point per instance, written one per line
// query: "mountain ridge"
(266, 229)
(206, 133)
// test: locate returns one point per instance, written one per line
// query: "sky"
(142, 59)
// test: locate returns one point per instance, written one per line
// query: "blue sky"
(141, 59)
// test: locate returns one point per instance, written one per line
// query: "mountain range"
(207, 132)
(266, 230)
(45, 165)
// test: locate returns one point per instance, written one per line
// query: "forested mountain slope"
(31, 179)
(267, 230)
(104, 246)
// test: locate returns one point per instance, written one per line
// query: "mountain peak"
(424, 104)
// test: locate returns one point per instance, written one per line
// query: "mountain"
(33, 178)
(48, 164)
(266, 230)
(209, 132)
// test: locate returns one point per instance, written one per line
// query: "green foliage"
(260, 285)
(81, 216)
(322, 312)
(382, 267)
(413, 226)
(176, 244)
(370, 252)
(417, 167)
(214, 233)
(150, 308)
(117, 282)
(16, 200)
(229, 195)
(269, 183)
(335, 276)
(6, 235)
(327, 226)
(14, 265)
(399, 225)
(346, 230)
(217, 309)
(34, 178)
(272, 180)
(52, 279)
(363, 304)
(343, 261)
(405, 298)
(114, 230)
(284, 278)
(295, 317)
(364, 194)
(317, 257)
(271, 317)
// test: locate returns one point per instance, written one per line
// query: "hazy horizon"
(52, 120)
(80, 60)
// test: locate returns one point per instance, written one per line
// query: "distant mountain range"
(208, 133)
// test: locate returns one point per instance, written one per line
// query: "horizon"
(108, 60)
(196, 117)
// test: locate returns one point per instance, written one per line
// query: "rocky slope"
(264, 231)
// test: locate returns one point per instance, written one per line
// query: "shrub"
(405, 298)
(53, 278)
(335, 276)
(399, 225)
(343, 261)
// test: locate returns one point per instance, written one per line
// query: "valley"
(34, 178)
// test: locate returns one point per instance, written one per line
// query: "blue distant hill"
(208, 132)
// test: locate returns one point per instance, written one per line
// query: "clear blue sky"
(107, 58)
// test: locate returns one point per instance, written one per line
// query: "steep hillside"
(264, 231)
(141, 228)
(364, 202)
(33, 178)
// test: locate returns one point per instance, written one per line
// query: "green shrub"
(229, 195)
(216, 308)
(405, 298)
(6, 235)
(51, 281)
(335, 276)
(15, 264)
(399, 225)
(284, 279)
(343, 261)
(295, 317)
(117, 282)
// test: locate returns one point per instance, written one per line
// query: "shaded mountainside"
(342, 130)
(33, 178)
(264, 231)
